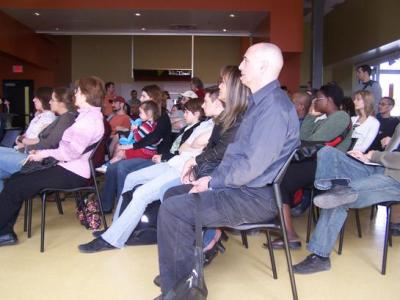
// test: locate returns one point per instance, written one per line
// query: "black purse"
(35, 166)
(46, 163)
(307, 152)
(193, 286)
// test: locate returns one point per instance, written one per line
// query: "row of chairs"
(243, 228)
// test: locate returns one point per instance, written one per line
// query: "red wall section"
(290, 74)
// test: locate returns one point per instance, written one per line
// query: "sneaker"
(102, 169)
(312, 264)
(337, 196)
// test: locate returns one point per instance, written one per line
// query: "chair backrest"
(279, 177)
(92, 158)
(9, 137)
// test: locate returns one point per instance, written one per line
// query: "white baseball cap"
(190, 94)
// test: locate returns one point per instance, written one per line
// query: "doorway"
(20, 95)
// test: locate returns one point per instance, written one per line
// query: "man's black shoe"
(96, 245)
(312, 264)
(8, 239)
(157, 281)
(98, 233)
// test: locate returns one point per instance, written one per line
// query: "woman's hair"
(65, 95)
(333, 91)
(44, 96)
(151, 106)
(369, 102)
(196, 81)
(194, 105)
(348, 106)
(237, 96)
(154, 93)
(93, 88)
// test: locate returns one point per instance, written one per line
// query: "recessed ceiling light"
(232, 15)
(138, 14)
(224, 30)
(143, 29)
(36, 14)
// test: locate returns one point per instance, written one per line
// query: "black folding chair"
(271, 226)
(92, 186)
(388, 234)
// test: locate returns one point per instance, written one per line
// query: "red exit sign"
(17, 69)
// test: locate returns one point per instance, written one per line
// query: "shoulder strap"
(91, 147)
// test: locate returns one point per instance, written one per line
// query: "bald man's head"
(261, 64)
(302, 102)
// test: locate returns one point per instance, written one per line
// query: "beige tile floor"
(64, 273)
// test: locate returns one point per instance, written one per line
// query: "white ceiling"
(124, 21)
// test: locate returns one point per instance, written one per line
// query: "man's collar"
(265, 90)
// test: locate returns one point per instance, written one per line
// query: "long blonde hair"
(369, 101)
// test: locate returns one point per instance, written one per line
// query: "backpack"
(145, 232)
(88, 212)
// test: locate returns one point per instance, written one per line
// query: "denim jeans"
(115, 177)
(151, 179)
(218, 208)
(369, 182)
(335, 166)
(10, 163)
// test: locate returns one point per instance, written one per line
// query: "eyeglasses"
(383, 104)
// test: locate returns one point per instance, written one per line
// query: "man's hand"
(187, 171)
(35, 156)
(361, 156)
(200, 185)
(385, 141)
(156, 158)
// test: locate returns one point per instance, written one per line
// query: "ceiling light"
(232, 15)
(36, 14)
(57, 29)
(138, 14)
(224, 30)
(143, 29)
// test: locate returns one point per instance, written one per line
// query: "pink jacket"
(87, 130)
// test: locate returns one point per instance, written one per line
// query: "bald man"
(239, 190)
(302, 103)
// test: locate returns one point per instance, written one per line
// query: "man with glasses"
(388, 124)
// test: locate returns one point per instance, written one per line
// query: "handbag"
(46, 163)
(88, 212)
(34, 166)
(193, 286)
(308, 150)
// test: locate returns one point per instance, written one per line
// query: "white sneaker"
(102, 169)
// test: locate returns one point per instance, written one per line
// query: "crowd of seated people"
(225, 163)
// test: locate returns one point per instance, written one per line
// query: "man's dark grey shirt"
(266, 137)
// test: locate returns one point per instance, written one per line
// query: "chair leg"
(309, 220)
(103, 217)
(387, 233)
(372, 214)
(271, 255)
(30, 217)
(358, 223)
(341, 239)
(59, 205)
(42, 225)
(244, 239)
(278, 197)
(25, 215)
